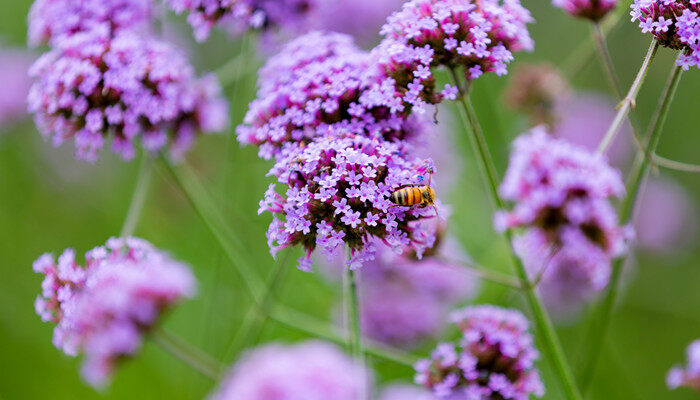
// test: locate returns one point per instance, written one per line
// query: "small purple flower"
(104, 309)
(311, 370)
(493, 360)
(561, 192)
(241, 15)
(674, 23)
(319, 84)
(690, 376)
(94, 88)
(321, 219)
(591, 9)
(476, 36)
(51, 21)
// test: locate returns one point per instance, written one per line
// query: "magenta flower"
(478, 36)
(309, 371)
(337, 194)
(493, 360)
(690, 376)
(104, 309)
(318, 84)
(93, 89)
(240, 15)
(561, 193)
(591, 9)
(13, 68)
(674, 23)
(51, 21)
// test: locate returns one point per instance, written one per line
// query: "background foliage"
(49, 201)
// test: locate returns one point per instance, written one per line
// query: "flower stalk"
(640, 170)
(183, 351)
(545, 327)
(138, 199)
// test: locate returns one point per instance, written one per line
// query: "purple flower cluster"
(592, 9)
(309, 371)
(493, 360)
(478, 36)
(338, 193)
(360, 18)
(674, 23)
(690, 376)
(241, 15)
(52, 21)
(93, 87)
(561, 194)
(103, 309)
(319, 84)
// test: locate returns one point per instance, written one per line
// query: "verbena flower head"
(240, 15)
(15, 85)
(591, 9)
(310, 371)
(94, 89)
(360, 18)
(536, 91)
(493, 360)
(476, 36)
(674, 23)
(104, 309)
(51, 21)
(317, 85)
(562, 191)
(337, 193)
(569, 276)
(690, 376)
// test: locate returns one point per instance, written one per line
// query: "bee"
(414, 195)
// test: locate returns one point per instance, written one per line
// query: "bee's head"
(429, 194)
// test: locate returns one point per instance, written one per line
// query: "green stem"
(231, 72)
(608, 65)
(640, 170)
(353, 310)
(178, 348)
(548, 336)
(138, 199)
(485, 273)
(629, 101)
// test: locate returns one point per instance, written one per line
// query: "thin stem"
(183, 351)
(629, 101)
(608, 65)
(138, 199)
(548, 335)
(598, 331)
(485, 273)
(231, 72)
(353, 310)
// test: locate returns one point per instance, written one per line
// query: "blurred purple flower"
(103, 309)
(318, 84)
(690, 376)
(51, 21)
(666, 217)
(478, 36)
(591, 9)
(240, 15)
(338, 194)
(405, 392)
(14, 65)
(674, 23)
(437, 141)
(93, 88)
(576, 125)
(309, 371)
(561, 194)
(360, 18)
(493, 360)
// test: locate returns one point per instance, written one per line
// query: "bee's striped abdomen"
(407, 196)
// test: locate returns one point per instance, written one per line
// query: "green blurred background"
(49, 201)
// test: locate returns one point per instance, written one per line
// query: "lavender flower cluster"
(594, 10)
(104, 309)
(106, 79)
(240, 15)
(561, 194)
(674, 23)
(690, 376)
(493, 360)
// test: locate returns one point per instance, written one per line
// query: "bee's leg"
(436, 211)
